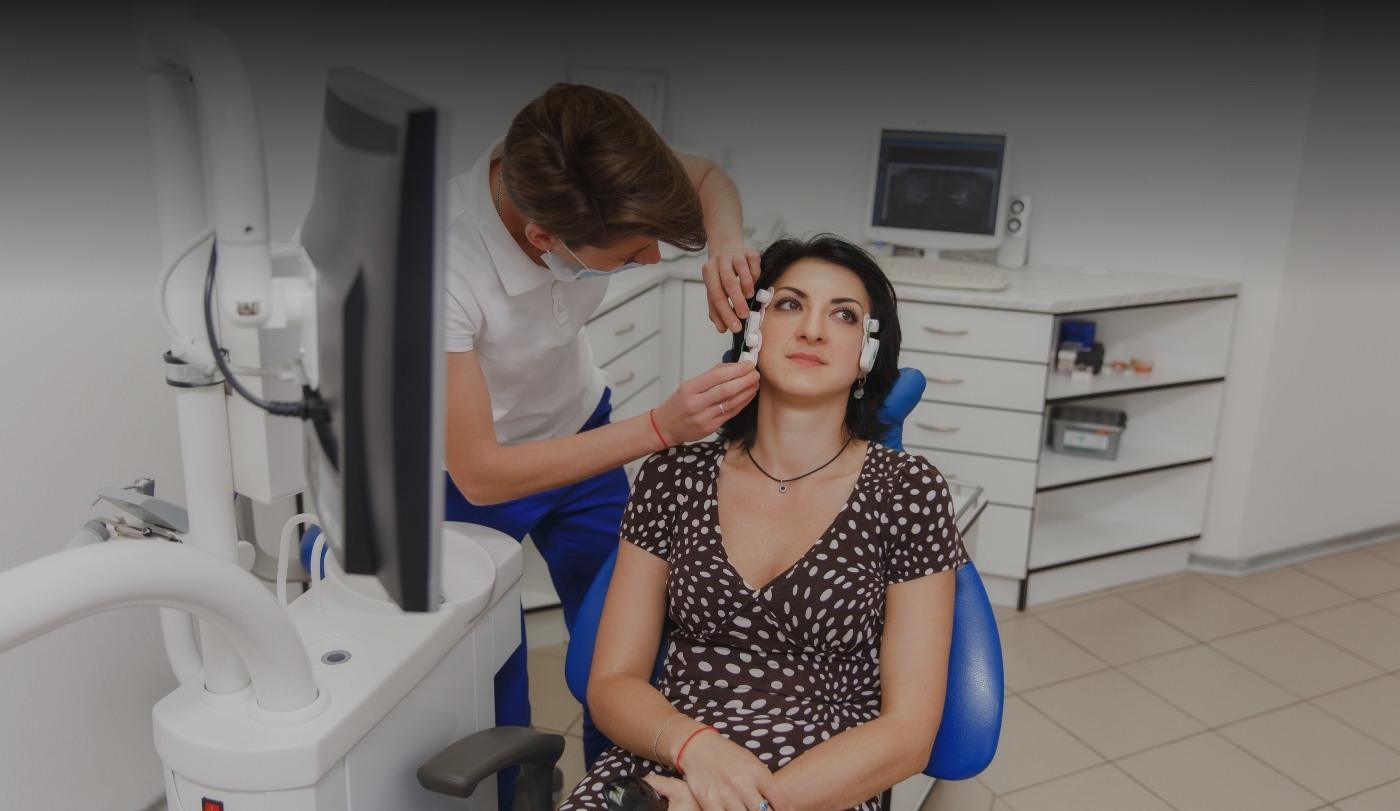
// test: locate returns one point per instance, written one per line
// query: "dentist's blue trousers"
(574, 528)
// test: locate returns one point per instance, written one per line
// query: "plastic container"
(1086, 431)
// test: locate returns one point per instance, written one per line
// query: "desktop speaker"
(1012, 253)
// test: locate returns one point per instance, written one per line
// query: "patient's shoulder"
(681, 461)
(901, 470)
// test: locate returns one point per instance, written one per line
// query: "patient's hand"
(676, 792)
(724, 776)
(730, 275)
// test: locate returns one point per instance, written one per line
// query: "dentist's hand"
(694, 411)
(730, 276)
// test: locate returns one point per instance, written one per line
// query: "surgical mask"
(568, 271)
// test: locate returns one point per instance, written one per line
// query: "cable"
(164, 282)
(310, 408)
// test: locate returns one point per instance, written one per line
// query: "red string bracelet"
(651, 415)
(681, 751)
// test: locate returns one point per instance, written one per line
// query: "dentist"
(581, 188)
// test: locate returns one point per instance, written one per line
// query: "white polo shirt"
(523, 324)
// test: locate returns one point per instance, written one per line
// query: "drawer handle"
(937, 331)
(625, 328)
(947, 381)
(627, 378)
(939, 429)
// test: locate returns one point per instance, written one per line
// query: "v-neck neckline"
(721, 450)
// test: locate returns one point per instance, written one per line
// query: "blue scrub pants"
(574, 528)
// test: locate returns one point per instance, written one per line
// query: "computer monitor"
(939, 190)
(374, 235)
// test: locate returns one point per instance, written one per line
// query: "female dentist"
(580, 188)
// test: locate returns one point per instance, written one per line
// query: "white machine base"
(412, 684)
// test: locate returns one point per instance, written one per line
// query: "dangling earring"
(860, 388)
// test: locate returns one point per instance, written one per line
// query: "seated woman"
(807, 571)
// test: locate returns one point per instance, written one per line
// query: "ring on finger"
(764, 806)
(721, 413)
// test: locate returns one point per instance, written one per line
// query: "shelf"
(1061, 470)
(1062, 538)
(1058, 387)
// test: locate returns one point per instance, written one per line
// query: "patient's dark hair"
(860, 414)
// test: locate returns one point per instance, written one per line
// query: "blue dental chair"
(972, 707)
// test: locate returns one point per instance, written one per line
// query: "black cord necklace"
(783, 483)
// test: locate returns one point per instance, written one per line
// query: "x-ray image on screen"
(940, 198)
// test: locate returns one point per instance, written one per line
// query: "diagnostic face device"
(753, 338)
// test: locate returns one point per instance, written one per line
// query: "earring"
(860, 388)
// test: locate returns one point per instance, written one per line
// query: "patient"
(806, 569)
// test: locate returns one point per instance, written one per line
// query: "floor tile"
(576, 728)
(1385, 798)
(1032, 750)
(1361, 572)
(1390, 601)
(1285, 591)
(1326, 756)
(1033, 655)
(1209, 773)
(1295, 659)
(959, 795)
(1111, 713)
(1000, 805)
(1208, 685)
(1100, 787)
(1389, 550)
(1363, 628)
(1372, 707)
(552, 707)
(1114, 629)
(545, 629)
(1199, 608)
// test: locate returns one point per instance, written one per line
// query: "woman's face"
(813, 329)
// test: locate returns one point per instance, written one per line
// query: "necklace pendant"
(782, 487)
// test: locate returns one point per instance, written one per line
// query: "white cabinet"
(1056, 524)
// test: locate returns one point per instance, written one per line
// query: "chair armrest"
(456, 770)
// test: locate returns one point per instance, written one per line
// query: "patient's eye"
(784, 302)
(846, 314)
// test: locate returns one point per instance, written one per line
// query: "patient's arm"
(621, 699)
(630, 711)
(862, 762)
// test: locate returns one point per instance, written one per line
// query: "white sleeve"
(462, 310)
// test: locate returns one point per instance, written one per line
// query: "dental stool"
(972, 706)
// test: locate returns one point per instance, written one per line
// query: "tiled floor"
(1276, 692)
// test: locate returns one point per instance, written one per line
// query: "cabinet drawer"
(970, 429)
(978, 381)
(632, 372)
(1003, 481)
(1003, 535)
(973, 331)
(620, 329)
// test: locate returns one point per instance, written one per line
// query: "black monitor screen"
(939, 181)
(373, 235)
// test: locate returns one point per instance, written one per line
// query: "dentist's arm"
(732, 269)
(488, 472)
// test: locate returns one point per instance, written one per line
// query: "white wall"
(1327, 447)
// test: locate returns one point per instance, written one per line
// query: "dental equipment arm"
(41, 595)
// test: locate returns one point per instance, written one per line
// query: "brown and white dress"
(782, 668)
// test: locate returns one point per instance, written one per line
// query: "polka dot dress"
(782, 668)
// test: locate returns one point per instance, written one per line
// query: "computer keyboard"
(944, 273)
